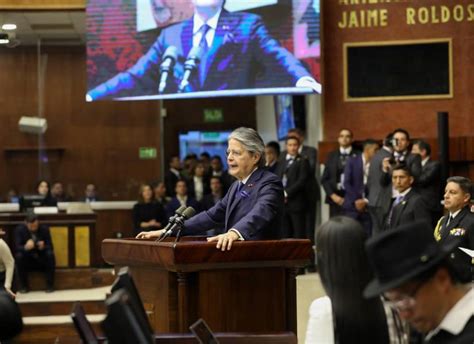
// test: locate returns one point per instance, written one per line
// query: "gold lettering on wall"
(439, 14)
(363, 18)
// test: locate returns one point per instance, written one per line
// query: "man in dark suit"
(375, 189)
(34, 251)
(217, 193)
(217, 170)
(181, 198)
(458, 223)
(252, 209)
(294, 171)
(407, 206)
(272, 154)
(355, 184)
(235, 49)
(428, 184)
(172, 175)
(400, 155)
(334, 170)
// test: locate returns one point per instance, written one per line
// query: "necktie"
(450, 219)
(205, 47)
(397, 201)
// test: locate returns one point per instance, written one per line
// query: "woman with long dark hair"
(43, 189)
(147, 213)
(344, 315)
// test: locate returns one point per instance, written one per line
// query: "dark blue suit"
(241, 53)
(355, 189)
(256, 211)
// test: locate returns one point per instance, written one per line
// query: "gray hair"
(252, 142)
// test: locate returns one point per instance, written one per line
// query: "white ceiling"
(53, 28)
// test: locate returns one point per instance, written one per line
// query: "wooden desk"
(251, 288)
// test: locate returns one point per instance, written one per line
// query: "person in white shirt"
(344, 315)
(421, 284)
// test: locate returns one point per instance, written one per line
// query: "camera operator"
(401, 154)
(34, 251)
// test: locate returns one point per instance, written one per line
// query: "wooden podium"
(251, 288)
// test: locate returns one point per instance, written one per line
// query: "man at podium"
(253, 207)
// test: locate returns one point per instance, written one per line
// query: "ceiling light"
(9, 26)
(4, 38)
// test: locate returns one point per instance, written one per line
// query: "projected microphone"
(191, 64)
(179, 222)
(169, 59)
(171, 220)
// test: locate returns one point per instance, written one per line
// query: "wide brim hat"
(401, 254)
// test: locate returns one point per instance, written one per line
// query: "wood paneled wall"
(92, 142)
(397, 20)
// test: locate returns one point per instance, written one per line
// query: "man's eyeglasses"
(405, 301)
(234, 153)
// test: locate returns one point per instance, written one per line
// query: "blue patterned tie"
(205, 48)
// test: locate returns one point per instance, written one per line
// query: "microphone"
(179, 221)
(169, 59)
(172, 219)
(191, 64)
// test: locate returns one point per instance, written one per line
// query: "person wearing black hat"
(34, 251)
(414, 275)
(458, 223)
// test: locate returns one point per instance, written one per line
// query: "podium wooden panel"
(251, 288)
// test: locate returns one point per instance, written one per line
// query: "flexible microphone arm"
(171, 220)
(179, 222)
(169, 59)
(191, 64)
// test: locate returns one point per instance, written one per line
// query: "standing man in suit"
(253, 207)
(374, 187)
(218, 171)
(34, 251)
(332, 179)
(458, 223)
(294, 172)
(272, 154)
(172, 175)
(407, 206)
(355, 184)
(429, 183)
(234, 48)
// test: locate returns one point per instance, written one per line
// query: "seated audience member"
(34, 251)
(189, 163)
(58, 194)
(160, 194)
(205, 159)
(12, 196)
(413, 273)
(181, 199)
(218, 171)
(11, 322)
(458, 223)
(90, 194)
(147, 213)
(272, 153)
(407, 206)
(344, 315)
(7, 266)
(428, 184)
(217, 193)
(43, 189)
(172, 175)
(198, 183)
(355, 185)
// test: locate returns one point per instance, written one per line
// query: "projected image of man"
(214, 50)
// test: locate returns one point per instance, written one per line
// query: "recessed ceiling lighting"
(9, 26)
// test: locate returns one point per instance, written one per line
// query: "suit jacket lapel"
(400, 208)
(236, 198)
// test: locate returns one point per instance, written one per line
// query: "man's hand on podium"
(224, 241)
(151, 234)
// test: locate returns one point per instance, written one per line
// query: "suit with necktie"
(460, 227)
(407, 209)
(355, 190)
(242, 51)
(254, 209)
(294, 173)
(331, 178)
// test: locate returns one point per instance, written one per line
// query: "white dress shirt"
(197, 32)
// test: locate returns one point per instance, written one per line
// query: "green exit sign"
(147, 153)
(213, 116)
